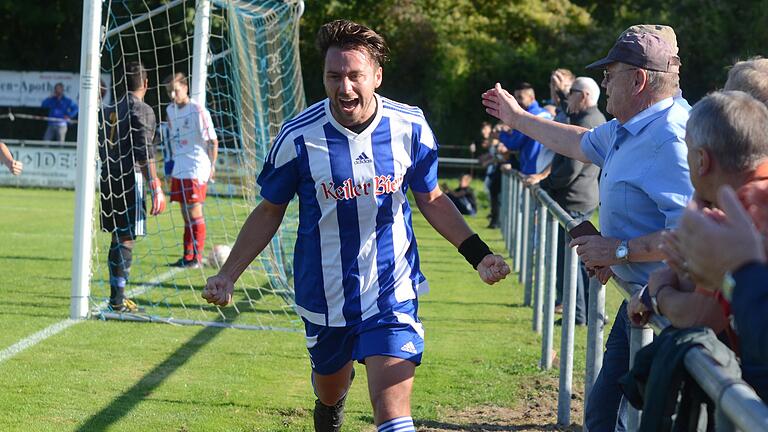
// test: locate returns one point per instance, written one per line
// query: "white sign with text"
(46, 167)
(31, 88)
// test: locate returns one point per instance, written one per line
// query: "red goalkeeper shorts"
(188, 191)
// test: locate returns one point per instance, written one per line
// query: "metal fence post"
(530, 251)
(524, 258)
(510, 225)
(638, 338)
(503, 198)
(510, 239)
(519, 216)
(541, 252)
(566, 340)
(549, 296)
(596, 326)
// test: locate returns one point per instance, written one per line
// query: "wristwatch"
(729, 283)
(622, 252)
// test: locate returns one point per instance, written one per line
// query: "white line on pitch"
(53, 329)
(34, 339)
(141, 289)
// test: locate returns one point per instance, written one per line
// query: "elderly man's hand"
(595, 250)
(715, 243)
(638, 313)
(559, 82)
(603, 274)
(502, 105)
(755, 197)
(532, 179)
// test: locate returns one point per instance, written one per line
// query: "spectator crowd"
(682, 198)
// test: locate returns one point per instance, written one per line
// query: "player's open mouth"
(348, 105)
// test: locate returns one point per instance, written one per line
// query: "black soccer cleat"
(190, 264)
(126, 306)
(330, 418)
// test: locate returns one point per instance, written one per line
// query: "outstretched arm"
(560, 138)
(6, 158)
(446, 220)
(257, 231)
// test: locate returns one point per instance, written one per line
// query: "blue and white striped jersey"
(355, 251)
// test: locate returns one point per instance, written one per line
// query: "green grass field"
(108, 375)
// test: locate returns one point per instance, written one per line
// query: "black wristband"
(474, 250)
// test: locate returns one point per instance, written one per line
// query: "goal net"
(251, 79)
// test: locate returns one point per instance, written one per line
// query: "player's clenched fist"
(492, 269)
(218, 290)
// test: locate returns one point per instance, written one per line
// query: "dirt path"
(536, 411)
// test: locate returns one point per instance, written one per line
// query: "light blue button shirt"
(644, 185)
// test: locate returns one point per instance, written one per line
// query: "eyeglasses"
(607, 75)
(573, 90)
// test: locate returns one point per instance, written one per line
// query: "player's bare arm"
(257, 231)
(446, 219)
(213, 154)
(6, 158)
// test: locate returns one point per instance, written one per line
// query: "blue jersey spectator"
(60, 109)
(531, 151)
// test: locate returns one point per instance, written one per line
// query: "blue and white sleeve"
(424, 156)
(279, 178)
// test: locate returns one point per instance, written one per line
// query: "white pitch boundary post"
(85, 186)
(200, 51)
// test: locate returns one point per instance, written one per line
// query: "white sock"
(400, 424)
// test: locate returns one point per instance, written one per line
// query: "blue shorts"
(395, 333)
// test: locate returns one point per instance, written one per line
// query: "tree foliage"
(446, 52)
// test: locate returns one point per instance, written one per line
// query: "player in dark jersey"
(126, 151)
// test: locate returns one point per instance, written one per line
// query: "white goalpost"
(241, 57)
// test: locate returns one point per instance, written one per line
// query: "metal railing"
(529, 220)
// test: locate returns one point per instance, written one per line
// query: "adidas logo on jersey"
(363, 158)
(409, 347)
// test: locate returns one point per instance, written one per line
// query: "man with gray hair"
(736, 274)
(644, 184)
(750, 76)
(708, 143)
(727, 139)
(573, 184)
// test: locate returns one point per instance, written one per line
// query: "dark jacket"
(573, 184)
(749, 306)
(659, 375)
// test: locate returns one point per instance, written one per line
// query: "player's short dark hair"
(523, 86)
(135, 75)
(345, 34)
(178, 77)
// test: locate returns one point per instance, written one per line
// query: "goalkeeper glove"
(158, 197)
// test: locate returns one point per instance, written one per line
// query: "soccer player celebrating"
(194, 148)
(351, 159)
(127, 153)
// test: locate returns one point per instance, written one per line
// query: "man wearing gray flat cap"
(644, 184)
